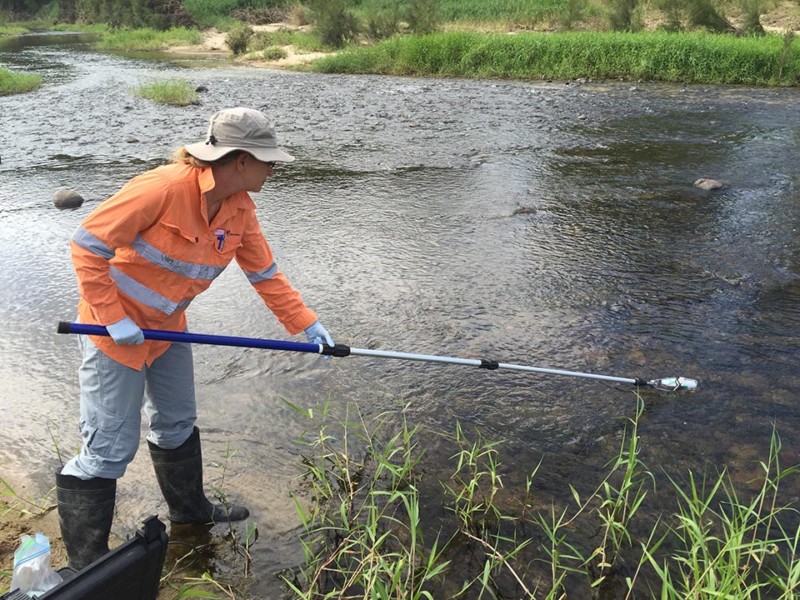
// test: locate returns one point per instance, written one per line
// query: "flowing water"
(537, 223)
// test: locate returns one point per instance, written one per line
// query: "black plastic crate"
(131, 571)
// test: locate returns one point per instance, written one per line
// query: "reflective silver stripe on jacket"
(187, 269)
(255, 277)
(87, 241)
(143, 294)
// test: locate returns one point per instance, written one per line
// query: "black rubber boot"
(180, 476)
(85, 512)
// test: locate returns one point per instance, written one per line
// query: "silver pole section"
(477, 363)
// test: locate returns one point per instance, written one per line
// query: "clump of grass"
(18, 83)
(11, 501)
(12, 29)
(214, 13)
(737, 546)
(362, 516)
(176, 92)
(148, 39)
(274, 53)
(302, 40)
(679, 57)
(363, 530)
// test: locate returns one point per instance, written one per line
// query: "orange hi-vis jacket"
(147, 251)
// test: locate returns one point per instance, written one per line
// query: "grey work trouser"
(112, 396)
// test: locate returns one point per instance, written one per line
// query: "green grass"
(503, 11)
(11, 501)
(18, 83)
(15, 29)
(216, 13)
(175, 92)
(367, 508)
(148, 39)
(97, 28)
(688, 58)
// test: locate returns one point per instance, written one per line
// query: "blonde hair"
(182, 156)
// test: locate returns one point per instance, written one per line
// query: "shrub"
(260, 16)
(703, 14)
(208, 13)
(259, 41)
(238, 38)
(752, 11)
(298, 15)
(274, 53)
(334, 22)
(423, 16)
(573, 12)
(674, 11)
(625, 15)
(383, 18)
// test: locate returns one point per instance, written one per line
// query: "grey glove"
(125, 332)
(317, 334)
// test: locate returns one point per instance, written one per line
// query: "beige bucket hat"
(239, 129)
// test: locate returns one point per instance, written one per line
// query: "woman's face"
(255, 173)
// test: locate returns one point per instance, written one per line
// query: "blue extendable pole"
(197, 338)
(665, 383)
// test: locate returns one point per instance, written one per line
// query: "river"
(543, 223)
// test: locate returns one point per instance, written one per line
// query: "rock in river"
(66, 198)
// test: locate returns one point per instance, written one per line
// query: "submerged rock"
(524, 210)
(66, 198)
(708, 184)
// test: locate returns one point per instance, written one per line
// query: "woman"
(140, 258)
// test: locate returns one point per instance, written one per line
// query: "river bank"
(654, 55)
(214, 44)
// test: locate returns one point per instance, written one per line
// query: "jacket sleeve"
(255, 258)
(114, 224)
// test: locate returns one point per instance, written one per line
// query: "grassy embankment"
(457, 51)
(170, 92)
(676, 57)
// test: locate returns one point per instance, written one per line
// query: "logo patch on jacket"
(221, 235)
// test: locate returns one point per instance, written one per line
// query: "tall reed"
(678, 57)
(735, 546)
(365, 494)
(362, 532)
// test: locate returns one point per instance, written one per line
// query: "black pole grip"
(335, 350)
(63, 327)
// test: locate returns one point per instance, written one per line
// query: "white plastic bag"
(33, 574)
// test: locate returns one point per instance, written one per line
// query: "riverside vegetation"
(687, 41)
(366, 534)
(379, 521)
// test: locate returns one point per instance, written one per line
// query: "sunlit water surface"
(528, 222)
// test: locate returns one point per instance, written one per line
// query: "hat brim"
(210, 153)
